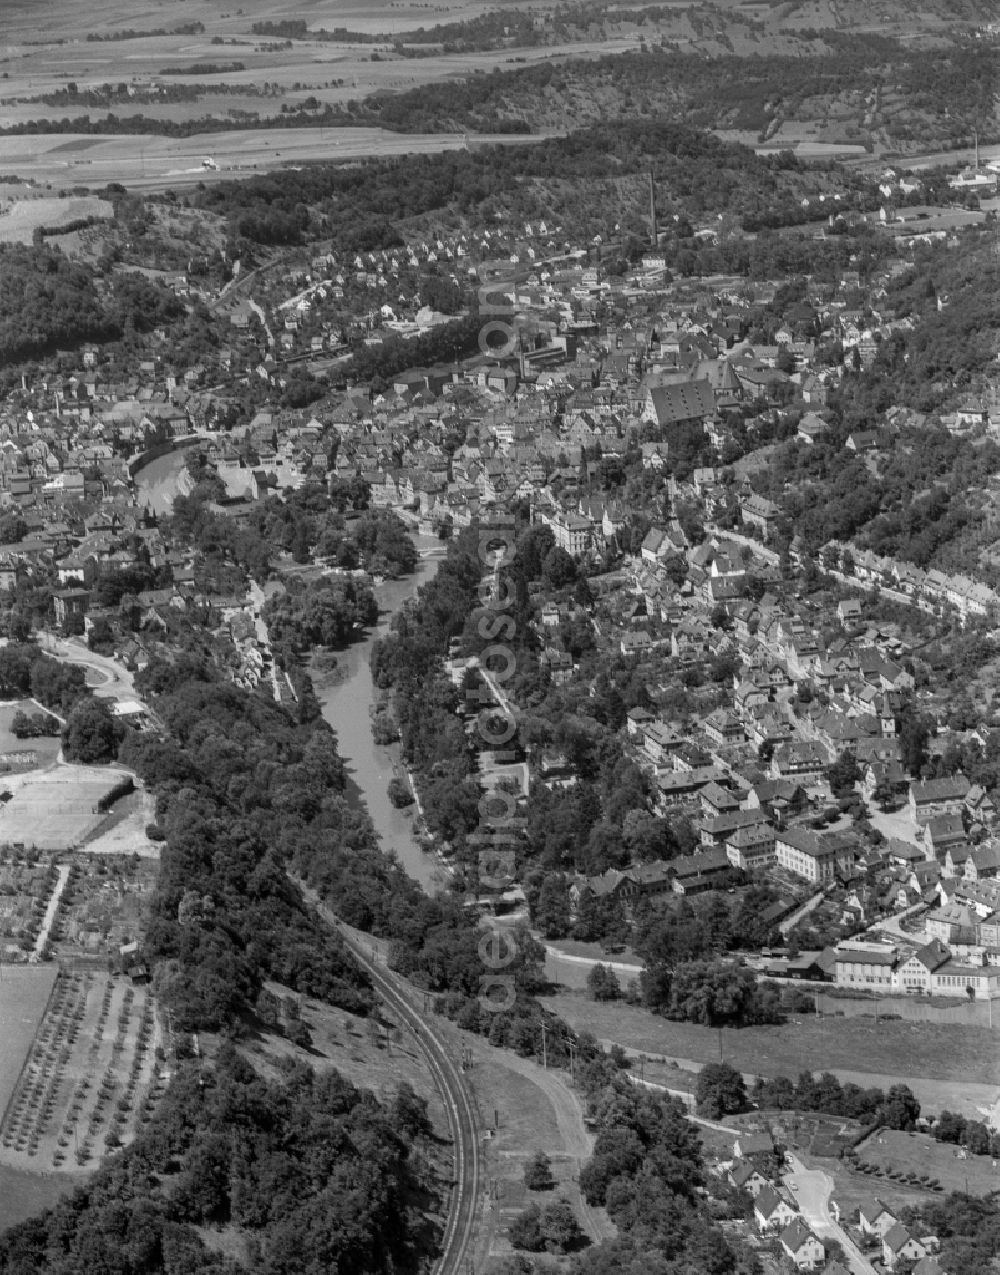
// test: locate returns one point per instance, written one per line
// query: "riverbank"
(347, 696)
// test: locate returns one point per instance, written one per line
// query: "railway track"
(460, 1227)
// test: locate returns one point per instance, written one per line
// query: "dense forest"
(48, 302)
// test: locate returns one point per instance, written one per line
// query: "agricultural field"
(150, 162)
(90, 1077)
(20, 219)
(55, 809)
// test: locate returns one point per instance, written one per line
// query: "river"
(347, 695)
(346, 699)
(157, 483)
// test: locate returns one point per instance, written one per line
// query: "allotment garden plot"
(79, 1071)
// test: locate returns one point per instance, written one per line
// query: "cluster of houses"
(931, 590)
(777, 1216)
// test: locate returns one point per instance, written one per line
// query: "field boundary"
(27, 1053)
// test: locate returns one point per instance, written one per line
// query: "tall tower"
(652, 211)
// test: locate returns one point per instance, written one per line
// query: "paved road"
(813, 1188)
(118, 682)
(459, 1232)
(813, 902)
(891, 925)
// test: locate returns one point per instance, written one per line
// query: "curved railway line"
(460, 1227)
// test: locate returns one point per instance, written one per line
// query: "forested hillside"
(573, 178)
(922, 94)
(48, 303)
(307, 1173)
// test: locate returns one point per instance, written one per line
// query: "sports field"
(56, 808)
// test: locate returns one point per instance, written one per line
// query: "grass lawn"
(24, 993)
(851, 1189)
(919, 1153)
(944, 1053)
(46, 746)
(24, 1194)
(374, 1055)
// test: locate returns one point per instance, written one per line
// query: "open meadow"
(20, 219)
(949, 1066)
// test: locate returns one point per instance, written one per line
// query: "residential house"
(716, 800)
(701, 871)
(899, 1246)
(980, 805)
(799, 759)
(875, 1219)
(70, 602)
(749, 1143)
(802, 1246)
(983, 863)
(723, 727)
(716, 832)
(760, 513)
(812, 428)
(943, 833)
(747, 1177)
(928, 1266)
(771, 1211)
(937, 796)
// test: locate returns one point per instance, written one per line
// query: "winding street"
(812, 1188)
(459, 1231)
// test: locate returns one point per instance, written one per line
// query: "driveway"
(813, 1188)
